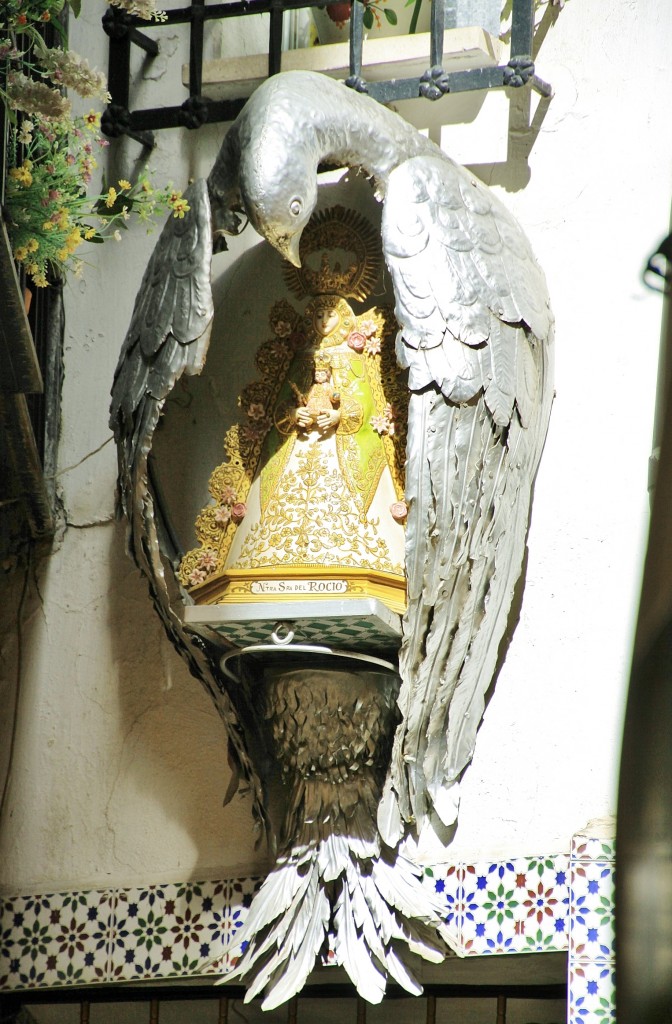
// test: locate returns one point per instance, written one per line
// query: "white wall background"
(119, 761)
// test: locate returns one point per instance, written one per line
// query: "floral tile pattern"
(241, 893)
(591, 939)
(55, 939)
(517, 906)
(189, 929)
(591, 993)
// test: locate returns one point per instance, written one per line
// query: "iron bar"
(141, 121)
(455, 81)
(543, 88)
(197, 992)
(522, 28)
(356, 41)
(275, 37)
(437, 25)
(431, 1010)
(215, 12)
(196, 48)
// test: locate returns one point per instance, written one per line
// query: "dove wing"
(168, 337)
(476, 337)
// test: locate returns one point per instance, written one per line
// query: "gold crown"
(322, 361)
(336, 228)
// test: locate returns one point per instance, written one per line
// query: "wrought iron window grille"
(126, 31)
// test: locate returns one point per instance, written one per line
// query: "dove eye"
(295, 207)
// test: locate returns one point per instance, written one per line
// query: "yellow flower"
(146, 187)
(20, 253)
(48, 225)
(73, 240)
(89, 233)
(92, 120)
(40, 280)
(63, 254)
(22, 174)
(178, 205)
(32, 245)
(124, 184)
(63, 219)
(111, 197)
(32, 268)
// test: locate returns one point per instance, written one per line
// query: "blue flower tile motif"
(592, 911)
(517, 906)
(591, 935)
(592, 994)
(442, 882)
(141, 947)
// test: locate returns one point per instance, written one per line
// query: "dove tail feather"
(335, 889)
(353, 903)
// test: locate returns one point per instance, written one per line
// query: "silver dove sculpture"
(476, 336)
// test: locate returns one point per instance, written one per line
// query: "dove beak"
(288, 246)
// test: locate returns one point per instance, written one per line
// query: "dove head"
(278, 180)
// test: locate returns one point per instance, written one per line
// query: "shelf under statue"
(295, 592)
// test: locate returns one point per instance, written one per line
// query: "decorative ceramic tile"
(586, 848)
(190, 929)
(491, 900)
(445, 883)
(512, 906)
(55, 939)
(592, 994)
(168, 930)
(241, 893)
(592, 911)
(543, 914)
(591, 944)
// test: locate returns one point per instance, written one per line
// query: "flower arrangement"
(52, 154)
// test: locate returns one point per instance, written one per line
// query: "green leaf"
(60, 31)
(75, 7)
(391, 16)
(368, 18)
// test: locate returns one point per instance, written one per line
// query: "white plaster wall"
(119, 762)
